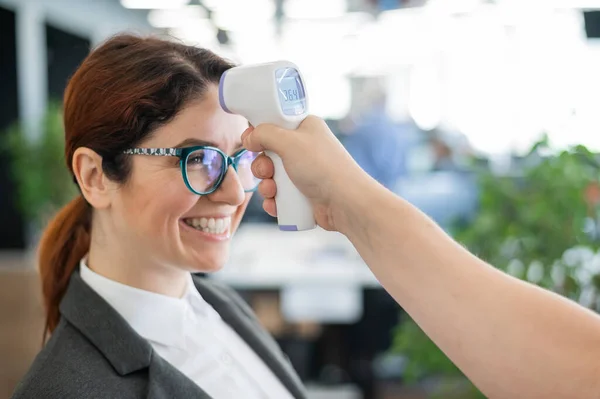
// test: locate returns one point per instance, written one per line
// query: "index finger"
(249, 142)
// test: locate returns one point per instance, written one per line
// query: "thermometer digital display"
(291, 91)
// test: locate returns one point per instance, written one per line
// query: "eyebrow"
(193, 142)
(190, 142)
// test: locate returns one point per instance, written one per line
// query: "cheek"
(156, 207)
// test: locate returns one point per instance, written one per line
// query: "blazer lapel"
(128, 352)
(165, 381)
(235, 312)
(125, 349)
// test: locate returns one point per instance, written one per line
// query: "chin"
(208, 264)
(207, 269)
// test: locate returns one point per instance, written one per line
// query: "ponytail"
(65, 241)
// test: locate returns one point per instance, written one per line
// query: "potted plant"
(539, 223)
(43, 182)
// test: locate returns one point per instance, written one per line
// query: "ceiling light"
(234, 15)
(154, 4)
(172, 18)
(312, 9)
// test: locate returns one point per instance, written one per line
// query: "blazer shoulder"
(68, 366)
(47, 376)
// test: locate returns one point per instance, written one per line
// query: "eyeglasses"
(203, 167)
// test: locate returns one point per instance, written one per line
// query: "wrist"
(350, 202)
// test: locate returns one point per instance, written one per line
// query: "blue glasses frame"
(183, 155)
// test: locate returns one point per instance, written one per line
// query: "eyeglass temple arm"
(163, 152)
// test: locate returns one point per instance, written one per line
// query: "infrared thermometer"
(272, 93)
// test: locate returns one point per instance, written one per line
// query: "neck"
(118, 262)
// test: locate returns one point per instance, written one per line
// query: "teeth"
(210, 225)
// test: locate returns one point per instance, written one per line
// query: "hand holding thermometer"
(272, 93)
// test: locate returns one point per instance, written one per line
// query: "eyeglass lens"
(205, 168)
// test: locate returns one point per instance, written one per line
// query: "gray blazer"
(94, 353)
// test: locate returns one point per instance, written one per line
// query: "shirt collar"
(156, 317)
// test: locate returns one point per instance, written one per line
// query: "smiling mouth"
(210, 225)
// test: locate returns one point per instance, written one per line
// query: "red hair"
(119, 95)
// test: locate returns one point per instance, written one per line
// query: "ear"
(95, 187)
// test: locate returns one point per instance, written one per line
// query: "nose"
(230, 191)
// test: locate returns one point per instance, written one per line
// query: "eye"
(204, 158)
(196, 159)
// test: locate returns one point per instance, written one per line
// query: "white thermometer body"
(272, 93)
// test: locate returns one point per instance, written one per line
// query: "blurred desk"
(21, 318)
(262, 257)
(319, 274)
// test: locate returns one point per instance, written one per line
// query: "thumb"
(265, 137)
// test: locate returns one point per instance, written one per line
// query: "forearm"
(510, 338)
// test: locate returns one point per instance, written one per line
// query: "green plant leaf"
(38, 169)
(535, 215)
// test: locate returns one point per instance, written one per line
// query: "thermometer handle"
(294, 212)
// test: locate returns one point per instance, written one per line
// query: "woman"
(164, 183)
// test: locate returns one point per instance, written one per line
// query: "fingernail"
(257, 168)
(246, 133)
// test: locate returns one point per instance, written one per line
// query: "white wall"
(92, 19)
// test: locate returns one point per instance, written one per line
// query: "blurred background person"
(379, 144)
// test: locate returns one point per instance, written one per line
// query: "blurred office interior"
(483, 113)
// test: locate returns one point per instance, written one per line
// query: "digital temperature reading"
(291, 91)
(291, 94)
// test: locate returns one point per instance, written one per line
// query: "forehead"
(203, 120)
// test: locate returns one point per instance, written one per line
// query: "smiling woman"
(164, 184)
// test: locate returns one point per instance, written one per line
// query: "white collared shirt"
(190, 334)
